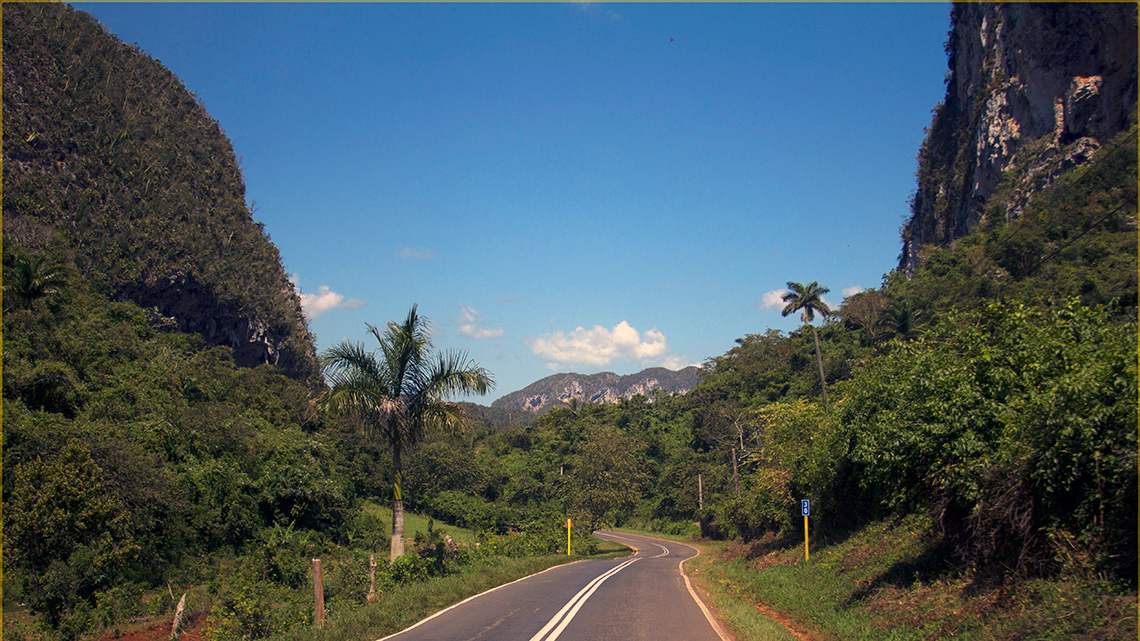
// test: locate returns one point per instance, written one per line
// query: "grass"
(888, 581)
(408, 604)
(415, 523)
(893, 581)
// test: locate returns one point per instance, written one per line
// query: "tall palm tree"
(399, 391)
(809, 298)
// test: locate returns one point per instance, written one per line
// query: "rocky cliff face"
(605, 387)
(180, 302)
(1033, 90)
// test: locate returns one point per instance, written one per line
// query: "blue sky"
(564, 187)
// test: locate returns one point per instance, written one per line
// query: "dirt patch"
(156, 632)
(784, 621)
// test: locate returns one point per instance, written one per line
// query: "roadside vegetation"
(889, 581)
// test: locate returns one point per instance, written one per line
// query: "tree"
(809, 298)
(606, 480)
(34, 277)
(400, 393)
(867, 310)
(1016, 426)
(67, 531)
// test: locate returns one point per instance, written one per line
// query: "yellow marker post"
(806, 505)
(568, 526)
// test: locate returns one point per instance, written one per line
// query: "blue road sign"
(806, 504)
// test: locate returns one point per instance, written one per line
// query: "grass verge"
(894, 581)
(408, 604)
(415, 523)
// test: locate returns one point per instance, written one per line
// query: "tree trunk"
(819, 361)
(735, 477)
(397, 507)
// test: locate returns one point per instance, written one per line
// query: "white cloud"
(415, 252)
(591, 8)
(851, 291)
(325, 299)
(772, 300)
(600, 346)
(471, 324)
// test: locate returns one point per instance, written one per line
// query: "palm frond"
(808, 297)
(401, 389)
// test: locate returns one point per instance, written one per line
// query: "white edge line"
(708, 615)
(688, 584)
(476, 596)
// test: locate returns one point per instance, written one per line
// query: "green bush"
(66, 533)
(117, 604)
(1008, 422)
(249, 607)
(471, 512)
(367, 530)
(223, 510)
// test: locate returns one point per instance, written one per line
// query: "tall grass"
(893, 581)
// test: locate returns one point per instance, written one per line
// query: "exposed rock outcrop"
(606, 387)
(1034, 89)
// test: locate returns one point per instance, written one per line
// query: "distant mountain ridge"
(606, 387)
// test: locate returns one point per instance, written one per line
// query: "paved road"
(643, 596)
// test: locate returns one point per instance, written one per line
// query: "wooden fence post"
(371, 579)
(174, 629)
(318, 594)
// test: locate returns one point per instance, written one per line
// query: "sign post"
(806, 505)
(568, 526)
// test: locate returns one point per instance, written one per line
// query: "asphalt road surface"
(643, 596)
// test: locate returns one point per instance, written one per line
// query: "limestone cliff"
(606, 387)
(1032, 91)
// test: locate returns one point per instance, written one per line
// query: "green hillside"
(114, 167)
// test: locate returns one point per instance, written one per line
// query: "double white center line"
(549, 632)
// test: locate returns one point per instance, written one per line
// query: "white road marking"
(472, 598)
(568, 611)
(688, 584)
(708, 615)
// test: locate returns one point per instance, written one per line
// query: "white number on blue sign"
(807, 507)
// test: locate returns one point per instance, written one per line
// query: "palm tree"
(34, 277)
(400, 392)
(809, 298)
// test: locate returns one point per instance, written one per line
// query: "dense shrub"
(1010, 422)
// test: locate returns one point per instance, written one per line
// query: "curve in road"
(644, 596)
